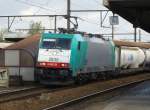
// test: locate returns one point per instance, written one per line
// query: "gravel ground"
(49, 99)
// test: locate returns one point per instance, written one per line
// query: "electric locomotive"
(68, 58)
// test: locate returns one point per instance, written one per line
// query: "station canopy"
(135, 11)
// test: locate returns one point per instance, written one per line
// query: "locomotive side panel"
(99, 56)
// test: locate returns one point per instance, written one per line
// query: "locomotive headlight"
(65, 65)
(43, 64)
(55, 64)
(62, 65)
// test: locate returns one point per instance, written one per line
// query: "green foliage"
(35, 27)
(2, 32)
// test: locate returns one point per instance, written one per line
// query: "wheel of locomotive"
(102, 76)
(94, 76)
(107, 74)
(79, 79)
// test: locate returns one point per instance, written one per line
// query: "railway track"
(9, 95)
(92, 95)
(57, 98)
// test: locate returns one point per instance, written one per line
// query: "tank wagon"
(65, 58)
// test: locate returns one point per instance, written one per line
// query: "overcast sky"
(89, 23)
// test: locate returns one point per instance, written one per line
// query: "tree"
(3, 31)
(35, 27)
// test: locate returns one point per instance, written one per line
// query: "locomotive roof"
(132, 44)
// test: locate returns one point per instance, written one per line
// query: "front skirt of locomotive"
(48, 76)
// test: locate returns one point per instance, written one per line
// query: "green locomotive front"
(65, 58)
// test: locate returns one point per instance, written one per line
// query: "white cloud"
(29, 11)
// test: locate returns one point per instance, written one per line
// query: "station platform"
(135, 11)
(135, 97)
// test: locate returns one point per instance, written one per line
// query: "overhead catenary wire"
(37, 11)
(27, 2)
(43, 3)
(80, 6)
(37, 5)
(47, 2)
(96, 1)
(88, 21)
(40, 7)
(99, 2)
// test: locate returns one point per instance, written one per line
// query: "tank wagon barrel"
(137, 51)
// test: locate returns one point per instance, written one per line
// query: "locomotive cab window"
(57, 43)
(48, 43)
